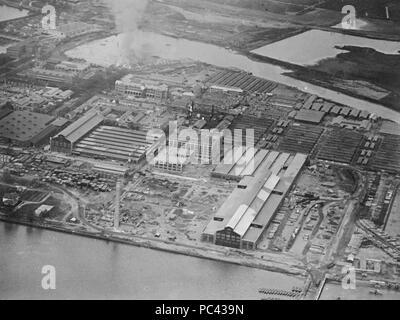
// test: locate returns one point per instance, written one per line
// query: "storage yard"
(301, 138)
(165, 207)
(339, 145)
(308, 184)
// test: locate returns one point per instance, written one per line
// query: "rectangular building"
(248, 211)
(115, 143)
(65, 141)
(22, 127)
(310, 116)
(110, 171)
(131, 86)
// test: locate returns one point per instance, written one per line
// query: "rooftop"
(82, 126)
(115, 142)
(250, 207)
(130, 79)
(389, 127)
(311, 116)
(23, 125)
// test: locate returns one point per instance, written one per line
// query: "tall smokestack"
(117, 205)
(387, 13)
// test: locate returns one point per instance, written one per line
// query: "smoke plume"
(127, 15)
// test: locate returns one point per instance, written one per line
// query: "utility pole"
(387, 13)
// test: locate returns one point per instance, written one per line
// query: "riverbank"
(316, 77)
(107, 54)
(19, 6)
(324, 81)
(13, 13)
(176, 248)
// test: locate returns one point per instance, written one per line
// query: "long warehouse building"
(66, 140)
(115, 143)
(248, 211)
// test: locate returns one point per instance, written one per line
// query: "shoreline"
(300, 73)
(174, 248)
(294, 71)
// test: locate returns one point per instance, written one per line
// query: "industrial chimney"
(117, 205)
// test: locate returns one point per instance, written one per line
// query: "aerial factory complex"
(189, 128)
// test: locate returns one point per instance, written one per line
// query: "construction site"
(192, 141)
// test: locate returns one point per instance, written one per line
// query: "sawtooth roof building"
(115, 143)
(88, 137)
(248, 211)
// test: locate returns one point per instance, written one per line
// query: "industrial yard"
(220, 154)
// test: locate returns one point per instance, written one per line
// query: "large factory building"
(65, 141)
(89, 138)
(139, 88)
(248, 211)
(26, 128)
(115, 143)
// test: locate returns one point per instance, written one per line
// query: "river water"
(95, 269)
(147, 44)
(8, 13)
(312, 46)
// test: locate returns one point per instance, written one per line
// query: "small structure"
(110, 171)
(42, 210)
(310, 116)
(11, 199)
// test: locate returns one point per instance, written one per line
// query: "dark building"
(65, 141)
(25, 128)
